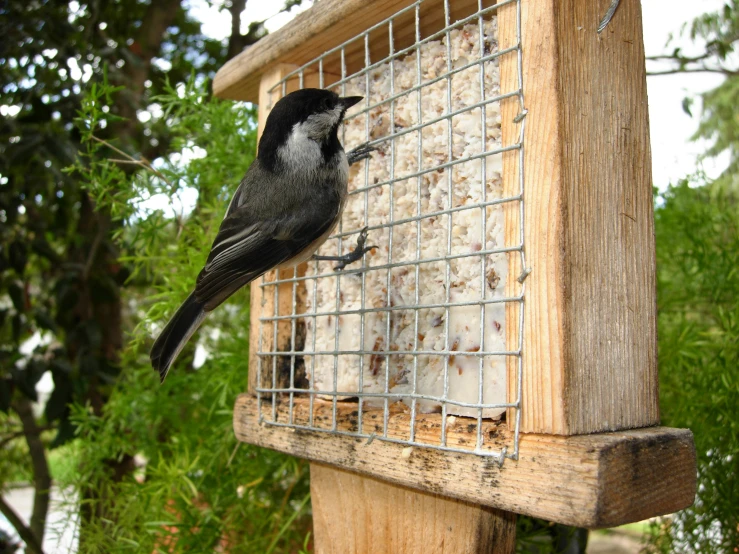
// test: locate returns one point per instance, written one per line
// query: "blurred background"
(115, 167)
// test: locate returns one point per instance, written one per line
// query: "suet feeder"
(497, 352)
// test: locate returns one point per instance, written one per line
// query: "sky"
(217, 23)
(674, 155)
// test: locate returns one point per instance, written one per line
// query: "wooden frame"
(590, 359)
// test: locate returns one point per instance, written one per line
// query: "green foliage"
(199, 487)
(697, 231)
(13, 465)
(196, 487)
(64, 461)
(57, 267)
(718, 121)
(717, 32)
(60, 275)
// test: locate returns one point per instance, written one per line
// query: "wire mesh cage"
(420, 327)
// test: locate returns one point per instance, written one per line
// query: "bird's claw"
(360, 153)
(356, 254)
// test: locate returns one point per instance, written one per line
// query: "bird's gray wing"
(249, 244)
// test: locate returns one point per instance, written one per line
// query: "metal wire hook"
(609, 15)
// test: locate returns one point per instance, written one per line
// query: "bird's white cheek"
(300, 152)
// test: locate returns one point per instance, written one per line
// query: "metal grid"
(271, 392)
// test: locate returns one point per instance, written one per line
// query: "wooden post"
(353, 513)
(590, 335)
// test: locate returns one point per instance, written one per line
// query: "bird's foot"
(353, 256)
(361, 152)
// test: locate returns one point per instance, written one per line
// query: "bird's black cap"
(295, 108)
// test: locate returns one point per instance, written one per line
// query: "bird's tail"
(175, 335)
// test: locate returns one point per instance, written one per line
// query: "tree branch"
(237, 42)
(24, 532)
(17, 434)
(99, 236)
(694, 70)
(683, 63)
(256, 31)
(682, 59)
(41, 475)
(145, 163)
(146, 45)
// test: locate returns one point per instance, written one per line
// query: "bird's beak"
(349, 101)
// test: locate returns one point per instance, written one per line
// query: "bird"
(285, 207)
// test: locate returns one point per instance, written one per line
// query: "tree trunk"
(32, 543)
(41, 475)
(235, 41)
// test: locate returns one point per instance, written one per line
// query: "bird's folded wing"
(246, 247)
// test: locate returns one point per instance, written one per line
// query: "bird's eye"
(327, 104)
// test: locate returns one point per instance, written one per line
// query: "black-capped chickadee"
(286, 206)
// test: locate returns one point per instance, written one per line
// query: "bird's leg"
(359, 153)
(356, 254)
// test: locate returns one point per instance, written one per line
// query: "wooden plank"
(262, 336)
(543, 402)
(610, 313)
(326, 25)
(590, 312)
(263, 298)
(391, 518)
(590, 481)
(510, 109)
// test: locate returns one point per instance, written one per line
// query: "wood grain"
(326, 25)
(610, 315)
(510, 109)
(590, 340)
(592, 481)
(544, 407)
(392, 518)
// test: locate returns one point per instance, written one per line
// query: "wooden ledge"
(592, 481)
